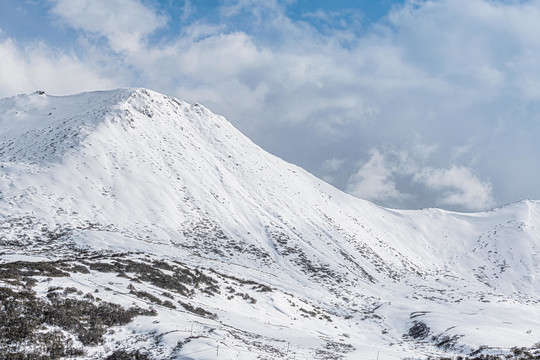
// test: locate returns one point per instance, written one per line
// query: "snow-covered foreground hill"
(191, 242)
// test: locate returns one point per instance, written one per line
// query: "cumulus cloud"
(374, 180)
(125, 23)
(37, 67)
(13, 75)
(457, 186)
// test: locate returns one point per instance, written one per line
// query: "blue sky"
(409, 103)
(15, 16)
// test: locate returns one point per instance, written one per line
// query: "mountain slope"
(133, 171)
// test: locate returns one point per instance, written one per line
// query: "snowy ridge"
(131, 170)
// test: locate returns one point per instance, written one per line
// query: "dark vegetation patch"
(519, 353)
(34, 327)
(47, 346)
(340, 347)
(262, 288)
(446, 342)
(21, 269)
(180, 280)
(152, 298)
(245, 296)
(307, 313)
(255, 285)
(487, 353)
(198, 310)
(32, 322)
(122, 354)
(316, 312)
(418, 331)
(327, 355)
(88, 320)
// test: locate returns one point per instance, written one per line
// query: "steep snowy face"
(155, 168)
(134, 170)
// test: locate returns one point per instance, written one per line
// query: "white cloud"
(458, 186)
(373, 180)
(472, 45)
(186, 11)
(13, 74)
(125, 23)
(38, 67)
(455, 186)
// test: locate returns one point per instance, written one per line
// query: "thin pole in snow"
(377, 354)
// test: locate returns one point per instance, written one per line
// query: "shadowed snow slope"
(134, 170)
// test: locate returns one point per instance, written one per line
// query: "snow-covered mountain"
(162, 204)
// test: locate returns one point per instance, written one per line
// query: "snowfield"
(216, 249)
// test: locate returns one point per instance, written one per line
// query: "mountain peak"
(37, 128)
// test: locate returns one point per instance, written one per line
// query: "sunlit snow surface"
(131, 170)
